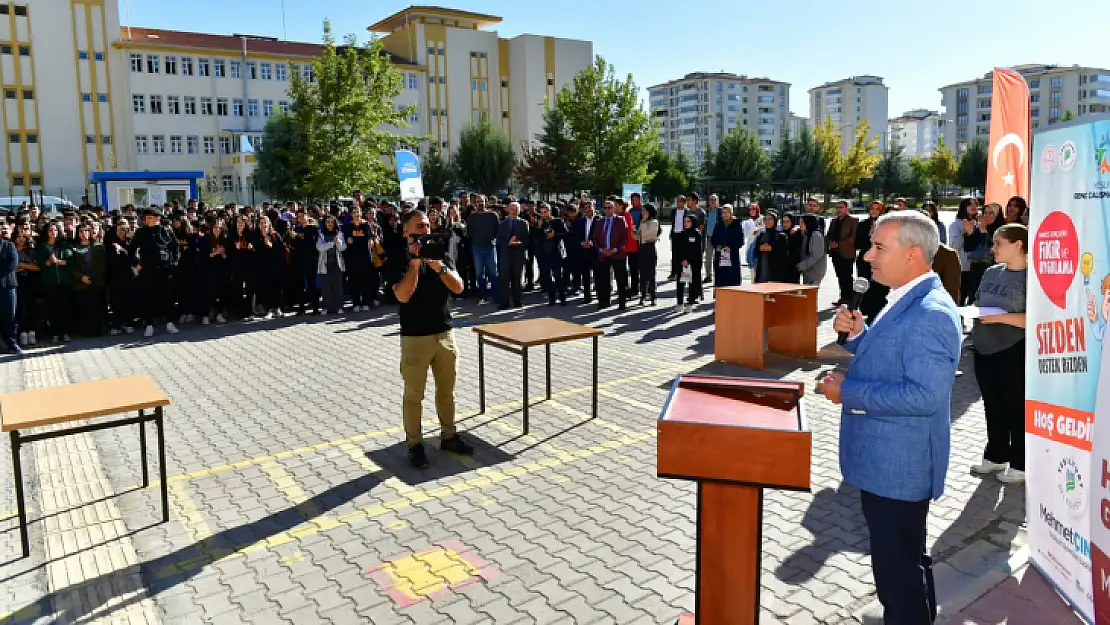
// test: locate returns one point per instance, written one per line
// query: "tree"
(484, 158)
(890, 175)
(971, 173)
(801, 161)
(436, 173)
(613, 136)
(281, 171)
(739, 157)
(344, 114)
(666, 179)
(685, 167)
(546, 165)
(940, 169)
(707, 171)
(209, 190)
(1068, 116)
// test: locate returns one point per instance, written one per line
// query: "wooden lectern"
(735, 437)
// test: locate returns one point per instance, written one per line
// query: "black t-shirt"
(427, 311)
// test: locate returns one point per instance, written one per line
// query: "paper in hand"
(976, 312)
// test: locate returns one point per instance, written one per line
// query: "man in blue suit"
(896, 398)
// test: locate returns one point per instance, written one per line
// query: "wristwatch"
(443, 268)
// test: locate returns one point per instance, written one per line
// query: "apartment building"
(1053, 91)
(795, 125)
(700, 108)
(916, 132)
(143, 99)
(849, 102)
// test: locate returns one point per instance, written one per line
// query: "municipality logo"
(1067, 155)
(1071, 486)
(1102, 155)
(1049, 158)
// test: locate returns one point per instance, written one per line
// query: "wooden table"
(64, 404)
(517, 336)
(786, 312)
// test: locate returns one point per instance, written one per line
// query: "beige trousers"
(418, 353)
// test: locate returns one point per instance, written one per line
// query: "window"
(186, 66)
(209, 145)
(1054, 112)
(173, 104)
(252, 108)
(504, 82)
(1057, 82)
(138, 103)
(191, 144)
(226, 183)
(431, 80)
(267, 108)
(32, 138)
(252, 70)
(24, 50)
(443, 80)
(279, 71)
(415, 117)
(159, 144)
(86, 97)
(98, 56)
(152, 63)
(106, 140)
(21, 11)
(961, 120)
(267, 71)
(236, 69)
(1055, 97)
(961, 93)
(155, 105)
(28, 94)
(17, 181)
(283, 106)
(412, 80)
(10, 94)
(1034, 112)
(237, 107)
(221, 68)
(221, 107)
(175, 144)
(190, 105)
(1035, 83)
(83, 55)
(15, 137)
(306, 72)
(136, 62)
(202, 67)
(483, 85)
(225, 145)
(102, 97)
(206, 106)
(294, 69)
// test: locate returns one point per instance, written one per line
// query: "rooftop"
(853, 80)
(418, 13)
(1027, 69)
(741, 78)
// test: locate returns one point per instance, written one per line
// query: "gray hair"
(915, 229)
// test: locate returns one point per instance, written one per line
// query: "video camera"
(433, 246)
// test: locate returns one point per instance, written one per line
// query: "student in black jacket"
(185, 275)
(121, 278)
(772, 252)
(214, 277)
(156, 255)
(358, 257)
(551, 251)
(240, 250)
(269, 254)
(304, 292)
(795, 240)
(688, 250)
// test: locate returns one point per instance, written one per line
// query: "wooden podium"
(734, 437)
(786, 312)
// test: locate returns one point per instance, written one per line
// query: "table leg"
(595, 380)
(481, 374)
(142, 450)
(20, 505)
(547, 349)
(162, 463)
(524, 357)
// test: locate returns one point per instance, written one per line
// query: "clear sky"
(916, 47)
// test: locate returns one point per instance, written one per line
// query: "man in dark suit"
(512, 242)
(582, 244)
(572, 264)
(550, 252)
(610, 237)
(896, 415)
(842, 249)
(9, 263)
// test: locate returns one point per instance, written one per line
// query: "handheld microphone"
(859, 287)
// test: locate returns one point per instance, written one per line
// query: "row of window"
(84, 55)
(220, 68)
(20, 10)
(21, 181)
(174, 106)
(156, 144)
(24, 49)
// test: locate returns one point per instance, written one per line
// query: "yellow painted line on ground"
(187, 510)
(287, 485)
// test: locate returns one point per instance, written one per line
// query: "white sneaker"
(149, 332)
(129, 329)
(268, 316)
(1012, 476)
(221, 319)
(172, 329)
(205, 321)
(22, 338)
(278, 314)
(689, 307)
(986, 467)
(31, 340)
(65, 338)
(113, 332)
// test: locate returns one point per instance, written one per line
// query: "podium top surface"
(529, 332)
(84, 400)
(769, 288)
(735, 402)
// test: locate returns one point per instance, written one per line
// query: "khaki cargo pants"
(418, 353)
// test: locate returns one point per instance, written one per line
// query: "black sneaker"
(456, 445)
(417, 458)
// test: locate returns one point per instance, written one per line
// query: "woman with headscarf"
(688, 251)
(795, 240)
(772, 253)
(813, 263)
(727, 240)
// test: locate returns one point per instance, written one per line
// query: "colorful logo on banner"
(1066, 365)
(408, 174)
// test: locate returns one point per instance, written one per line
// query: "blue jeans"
(485, 268)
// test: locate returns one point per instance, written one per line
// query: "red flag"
(1008, 156)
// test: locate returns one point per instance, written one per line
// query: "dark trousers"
(8, 329)
(966, 296)
(305, 291)
(903, 571)
(843, 267)
(1001, 378)
(633, 271)
(588, 265)
(358, 282)
(155, 295)
(59, 308)
(465, 266)
(90, 319)
(182, 290)
(530, 270)
(511, 267)
(121, 298)
(551, 277)
(608, 269)
(694, 285)
(648, 260)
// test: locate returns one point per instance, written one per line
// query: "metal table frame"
(18, 440)
(523, 352)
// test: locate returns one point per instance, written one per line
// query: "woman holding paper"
(727, 239)
(998, 340)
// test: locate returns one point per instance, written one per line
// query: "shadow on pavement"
(831, 516)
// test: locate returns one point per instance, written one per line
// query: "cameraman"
(423, 287)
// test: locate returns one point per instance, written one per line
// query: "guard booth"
(115, 189)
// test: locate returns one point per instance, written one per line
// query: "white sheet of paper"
(975, 312)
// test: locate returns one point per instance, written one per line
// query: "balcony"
(1102, 95)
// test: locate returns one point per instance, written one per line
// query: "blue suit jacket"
(897, 397)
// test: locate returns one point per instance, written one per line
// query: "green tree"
(801, 161)
(549, 165)
(739, 157)
(281, 171)
(685, 167)
(971, 173)
(209, 190)
(666, 179)
(436, 173)
(344, 114)
(940, 169)
(707, 171)
(613, 136)
(1068, 116)
(484, 158)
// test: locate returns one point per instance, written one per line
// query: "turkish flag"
(1008, 156)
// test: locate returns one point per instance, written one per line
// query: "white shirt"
(589, 225)
(751, 228)
(679, 219)
(897, 294)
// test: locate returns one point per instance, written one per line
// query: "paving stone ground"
(292, 501)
